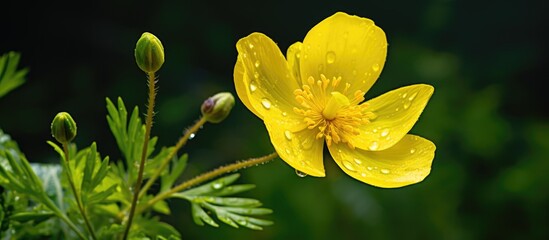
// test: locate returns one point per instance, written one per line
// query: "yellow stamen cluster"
(327, 108)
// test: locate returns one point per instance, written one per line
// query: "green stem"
(148, 126)
(76, 195)
(182, 141)
(49, 203)
(209, 175)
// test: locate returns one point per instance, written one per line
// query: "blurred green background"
(488, 115)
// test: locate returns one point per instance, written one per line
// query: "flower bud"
(63, 127)
(149, 53)
(216, 108)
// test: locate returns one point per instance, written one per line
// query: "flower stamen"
(328, 108)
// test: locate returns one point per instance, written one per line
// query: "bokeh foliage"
(487, 115)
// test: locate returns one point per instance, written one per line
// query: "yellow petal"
(241, 83)
(345, 46)
(407, 162)
(293, 54)
(268, 80)
(396, 112)
(301, 150)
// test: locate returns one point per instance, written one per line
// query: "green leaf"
(162, 207)
(176, 169)
(200, 216)
(233, 211)
(129, 135)
(10, 77)
(36, 216)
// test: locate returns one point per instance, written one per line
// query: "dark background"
(488, 115)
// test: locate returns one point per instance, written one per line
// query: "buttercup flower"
(316, 95)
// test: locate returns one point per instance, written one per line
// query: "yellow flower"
(316, 95)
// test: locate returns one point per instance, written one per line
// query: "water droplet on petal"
(330, 57)
(385, 132)
(257, 63)
(412, 97)
(385, 171)
(300, 173)
(284, 114)
(348, 165)
(373, 145)
(307, 143)
(406, 105)
(288, 151)
(369, 168)
(403, 95)
(375, 67)
(412, 151)
(253, 86)
(266, 103)
(256, 75)
(250, 45)
(358, 161)
(363, 174)
(288, 134)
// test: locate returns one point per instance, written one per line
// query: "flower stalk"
(76, 195)
(148, 126)
(182, 141)
(207, 176)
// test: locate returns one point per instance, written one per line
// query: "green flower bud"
(63, 127)
(216, 108)
(149, 53)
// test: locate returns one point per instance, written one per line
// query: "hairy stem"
(166, 160)
(76, 195)
(209, 175)
(148, 126)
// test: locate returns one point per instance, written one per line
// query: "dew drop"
(349, 166)
(300, 173)
(397, 109)
(374, 130)
(217, 185)
(373, 145)
(288, 135)
(266, 103)
(307, 143)
(358, 161)
(250, 45)
(256, 75)
(257, 63)
(385, 132)
(404, 95)
(288, 151)
(412, 97)
(253, 87)
(192, 136)
(385, 171)
(330, 57)
(284, 114)
(406, 105)
(369, 168)
(375, 67)
(363, 174)
(412, 151)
